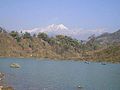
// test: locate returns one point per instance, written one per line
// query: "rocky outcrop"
(2, 86)
(15, 65)
(6, 88)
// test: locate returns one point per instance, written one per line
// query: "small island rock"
(15, 65)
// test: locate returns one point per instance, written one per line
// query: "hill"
(105, 47)
(108, 39)
(16, 44)
(110, 54)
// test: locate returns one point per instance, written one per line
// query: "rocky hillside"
(16, 44)
(105, 47)
(110, 54)
(108, 38)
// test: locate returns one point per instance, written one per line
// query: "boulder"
(6, 88)
(15, 65)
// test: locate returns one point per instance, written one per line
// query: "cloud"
(55, 29)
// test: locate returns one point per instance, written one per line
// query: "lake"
(45, 74)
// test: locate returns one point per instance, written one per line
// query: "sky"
(86, 14)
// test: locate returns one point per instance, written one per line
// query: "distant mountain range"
(57, 29)
(48, 29)
(51, 30)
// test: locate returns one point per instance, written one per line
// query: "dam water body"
(45, 74)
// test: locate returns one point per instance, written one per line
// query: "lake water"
(44, 74)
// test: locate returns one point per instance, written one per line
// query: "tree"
(2, 30)
(60, 36)
(43, 36)
(27, 35)
(34, 35)
(14, 34)
(52, 41)
(91, 41)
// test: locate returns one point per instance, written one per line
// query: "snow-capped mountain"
(57, 29)
(49, 28)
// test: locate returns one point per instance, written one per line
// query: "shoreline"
(62, 59)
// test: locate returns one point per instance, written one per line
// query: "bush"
(14, 34)
(27, 35)
(43, 36)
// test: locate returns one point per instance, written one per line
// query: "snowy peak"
(57, 27)
(49, 28)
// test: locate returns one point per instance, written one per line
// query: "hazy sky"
(24, 14)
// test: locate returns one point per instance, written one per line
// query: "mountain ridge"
(109, 38)
(56, 29)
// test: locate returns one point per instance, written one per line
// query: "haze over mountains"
(57, 29)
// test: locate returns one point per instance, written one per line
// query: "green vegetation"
(27, 35)
(15, 35)
(2, 30)
(43, 36)
(110, 54)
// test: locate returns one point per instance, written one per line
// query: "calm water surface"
(44, 74)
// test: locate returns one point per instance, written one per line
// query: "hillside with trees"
(14, 44)
(19, 44)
